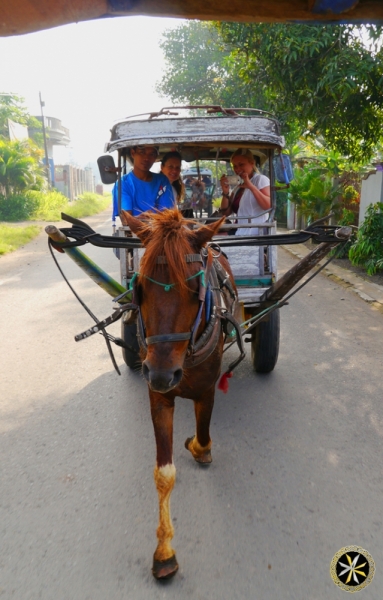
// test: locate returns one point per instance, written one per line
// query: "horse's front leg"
(200, 444)
(164, 560)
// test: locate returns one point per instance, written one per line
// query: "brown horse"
(181, 334)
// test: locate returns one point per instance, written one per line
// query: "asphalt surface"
(368, 291)
(297, 454)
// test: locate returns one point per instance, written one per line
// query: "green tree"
(199, 68)
(318, 80)
(367, 251)
(19, 169)
(12, 107)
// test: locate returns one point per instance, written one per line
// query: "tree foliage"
(19, 169)
(321, 80)
(367, 251)
(198, 68)
(314, 192)
(12, 107)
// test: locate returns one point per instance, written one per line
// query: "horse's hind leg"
(164, 560)
(200, 444)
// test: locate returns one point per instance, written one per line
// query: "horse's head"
(169, 291)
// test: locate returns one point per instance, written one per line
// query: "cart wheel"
(265, 344)
(131, 355)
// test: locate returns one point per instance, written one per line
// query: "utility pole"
(45, 143)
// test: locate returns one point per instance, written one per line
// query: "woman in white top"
(249, 199)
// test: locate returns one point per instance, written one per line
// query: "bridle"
(204, 290)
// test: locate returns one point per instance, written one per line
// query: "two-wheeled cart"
(210, 133)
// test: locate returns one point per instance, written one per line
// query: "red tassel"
(223, 383)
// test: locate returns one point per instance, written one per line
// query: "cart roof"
(24, 16)
(217, 133)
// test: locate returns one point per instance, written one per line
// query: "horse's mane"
(167, 234)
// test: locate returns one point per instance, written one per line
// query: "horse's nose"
(162, 380)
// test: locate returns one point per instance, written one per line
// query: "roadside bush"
(17, 207)
(314, 193)
(367, 251)
(88, 204)
(48, 205)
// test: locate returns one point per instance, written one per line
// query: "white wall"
(372, 192)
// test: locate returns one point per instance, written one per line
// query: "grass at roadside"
(88, 204)
(51, 205)
(12, 238)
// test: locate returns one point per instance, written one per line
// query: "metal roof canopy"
(25, 16)
(198, 137)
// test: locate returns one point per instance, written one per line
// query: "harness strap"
(101, 325)
(228, 317)
(224, 279)
(168, 337)
(167, 286)
(201, 297)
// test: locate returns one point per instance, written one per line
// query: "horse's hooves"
(165, 569)
(203, 459)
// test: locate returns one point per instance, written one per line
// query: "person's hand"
(225, 184)
(245, 180)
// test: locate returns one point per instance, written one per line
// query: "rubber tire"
(265, 343)
(130, 355)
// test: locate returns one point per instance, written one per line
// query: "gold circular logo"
(352, 568)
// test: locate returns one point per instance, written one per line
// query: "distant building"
(67, 179)
(73, 181)
(56, 134)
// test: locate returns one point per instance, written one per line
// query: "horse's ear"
(126, 217)
(136, 225)
(204, 234)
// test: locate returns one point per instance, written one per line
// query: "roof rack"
(209, 108)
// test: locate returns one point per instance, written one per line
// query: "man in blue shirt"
(141, 189)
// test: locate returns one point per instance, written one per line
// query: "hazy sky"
(89, 74)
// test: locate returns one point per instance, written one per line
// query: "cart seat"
(246, 262)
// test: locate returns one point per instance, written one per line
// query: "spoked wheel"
(131, 354)
(265, 343)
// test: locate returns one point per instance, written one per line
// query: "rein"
(100, 325)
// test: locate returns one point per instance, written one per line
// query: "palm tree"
(19, 170)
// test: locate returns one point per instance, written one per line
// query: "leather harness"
(221, 310)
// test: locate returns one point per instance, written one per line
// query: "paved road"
(297, 471)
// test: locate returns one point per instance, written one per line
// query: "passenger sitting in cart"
(171, 167)
(250, 198)
(142, 190)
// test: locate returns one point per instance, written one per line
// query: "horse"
(185, 296)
